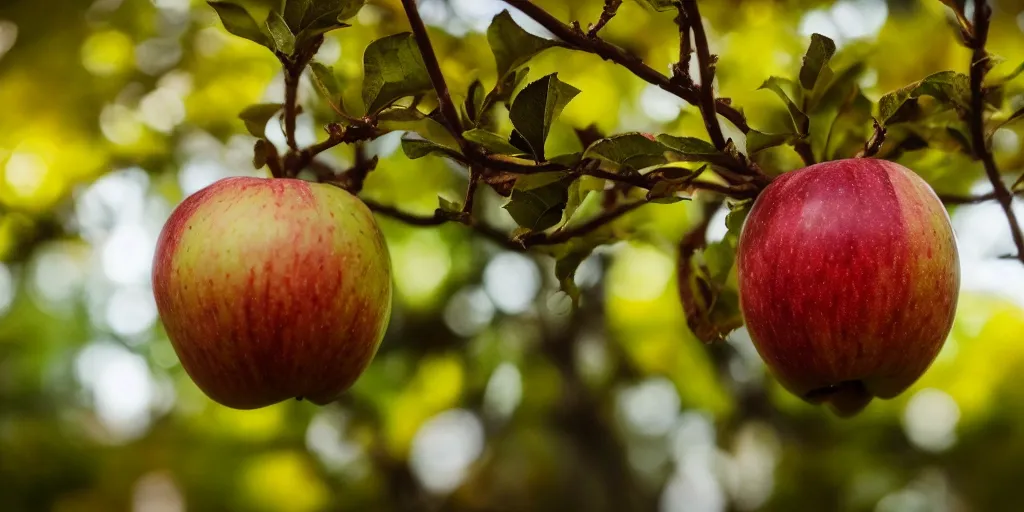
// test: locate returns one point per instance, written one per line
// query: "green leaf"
(449, 206)
(393, 69)
(284, 40)
(537, 200)
(490, 141)
(512, 46)
(693, 149)
(629, 150)
(415, 148)
(239, 22)
(473, 106)
(719, 258)
(579, 192)
(328, 85)
(256, 117)
(322, 16)
(799, 118)
(537, 106)
(818, 54)
(947, 87)
(737, 215)
(565, 272)
(295, 11)
(759, 141)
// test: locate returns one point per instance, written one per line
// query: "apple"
(271, 289)
(848, 277)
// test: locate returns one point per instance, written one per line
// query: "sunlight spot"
(8, 36)
(120, 386)
(131, 310)
(468, 312)
(6, 288)
(157, 492)
(650, 407)
(512, 281)
(930, 420)
(504, 391)
(444, 448)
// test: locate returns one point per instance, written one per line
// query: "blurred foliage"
(490, 392)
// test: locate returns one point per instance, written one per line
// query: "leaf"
(328, 85)
(449, 206)
(759, 141)
(295, 11)
(537, 200)
(737, 215)
(818, 54)
(580, 192)
(565, 272)
(629, 150)
(688, 145)
(284, 40)
(322, 16)
(719, 258)
(512, 46)
(239, 22)
(257, 116)
(260, 153)
(474, 103)
(393, 69)
(948, 87)
(537, 106)
(800, 119)
(490, 141)
(415, 148)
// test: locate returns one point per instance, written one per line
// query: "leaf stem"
(449, 113)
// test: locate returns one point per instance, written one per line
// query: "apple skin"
(848, 276)
(271, 289)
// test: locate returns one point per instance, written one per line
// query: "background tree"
(561, 196)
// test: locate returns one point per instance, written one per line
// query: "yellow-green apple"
(272, 289)
(848, 278)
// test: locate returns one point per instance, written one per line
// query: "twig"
(803, 149)
(707, 62)
(449, 114)
(980, 63)
(611, 7)
(874, 143)
(958, 200)
(439, 218)
(607, 51)
(564, 235)
(681, 69)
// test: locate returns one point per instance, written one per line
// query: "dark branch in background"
(440, 217)
(707, 62)
(579, 41)
(874, 143)
(294, 66)
(980, 63)
(803, 149)
(958, 200)
(693, 241)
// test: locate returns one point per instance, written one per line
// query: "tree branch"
(564, 235)
(707, 62)
(874, 143)
(681, 69)
(579, 41)
(449, 114)
(693, 241)
(440, 217)
(980, 63)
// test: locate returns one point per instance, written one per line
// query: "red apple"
(848, 278)
(272, 289)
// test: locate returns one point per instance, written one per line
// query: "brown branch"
(693, 241)
(449, 114)
(441, 217)
(980, 63)
(611, 7)
(803, 149)
(707, 62)
(873, 144)
(949, 199)
(681, 69)
(561, 236)
(579, 41)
